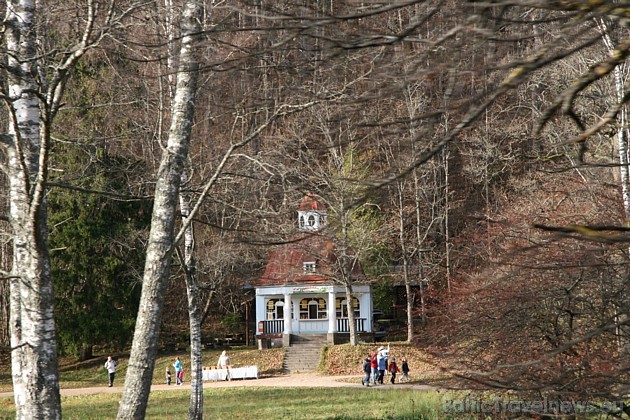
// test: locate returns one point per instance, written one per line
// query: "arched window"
(301, 221)
(342, 309)
(313, 308)
(275, 309)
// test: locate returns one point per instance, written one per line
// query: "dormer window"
(310, 267)
(311, 220)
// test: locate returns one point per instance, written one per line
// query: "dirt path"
(285, 381)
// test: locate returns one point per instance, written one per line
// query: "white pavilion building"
(298, 295)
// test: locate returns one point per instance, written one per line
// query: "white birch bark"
(345, 267)
(351, 317)
(34, 90)
(420, 238)
(195, 409)
(400, 190)
(619, 73)
(161, 238)
(32, 326)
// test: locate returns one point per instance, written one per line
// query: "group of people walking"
(375, 366)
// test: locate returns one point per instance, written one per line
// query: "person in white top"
(225, 363)
(110, 365)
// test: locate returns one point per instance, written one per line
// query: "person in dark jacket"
(367, 369)
(405, 370)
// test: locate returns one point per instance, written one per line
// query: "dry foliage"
(345, 359)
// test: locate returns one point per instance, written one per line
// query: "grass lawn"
(91, 373)
(251, 403)
(265, 403)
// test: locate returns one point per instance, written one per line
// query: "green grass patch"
(263, 402)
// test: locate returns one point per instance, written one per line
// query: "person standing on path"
(367, 369)
(110, 365)
(168, 376)
(179, 370)
(405, 370)
(225, 363)
(393, 368)
(381, 361)
(374, 368)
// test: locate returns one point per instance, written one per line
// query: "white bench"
(245, 372)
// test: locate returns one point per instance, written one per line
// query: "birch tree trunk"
(31, 324)
(161, 237)
(195, 409)
(346, 266)
(34, 89)
(352, 324)
(620, 73)
(400, 190)
(420, 242)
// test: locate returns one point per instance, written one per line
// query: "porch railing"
(275, 326)
(343, 324)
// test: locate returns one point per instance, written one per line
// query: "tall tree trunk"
(32, 326)
(5, 264)
(405, 256)
(447, 237)
(619, 72)
(161, 238)
(195, 409)
(346, 269)
(420, 243)
(351, 318)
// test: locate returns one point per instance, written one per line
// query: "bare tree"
(620, 76)
(161, 239)
(32, 93)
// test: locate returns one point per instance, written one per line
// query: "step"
(301, 365)
(306, 338)
(299, 350)
(304, 353)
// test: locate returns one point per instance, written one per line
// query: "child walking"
(168, 376)
(405, 370)
(367, 370)
(393, 369)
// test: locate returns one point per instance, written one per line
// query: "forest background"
(473, 152)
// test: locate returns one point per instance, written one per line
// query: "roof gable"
(286, 263)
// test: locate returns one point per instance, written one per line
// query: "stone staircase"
(304, 352)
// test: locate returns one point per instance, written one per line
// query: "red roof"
(312, 202)
(286, 264)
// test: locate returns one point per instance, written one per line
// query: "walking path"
(284, 381)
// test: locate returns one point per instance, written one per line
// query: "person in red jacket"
(393, 368)
(374, 367)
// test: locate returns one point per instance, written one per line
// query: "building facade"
(298, 294)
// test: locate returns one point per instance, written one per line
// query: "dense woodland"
(474, 152)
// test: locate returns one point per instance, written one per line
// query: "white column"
(288, 308)
(365, 303)
(260, 309)
(332, 313)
